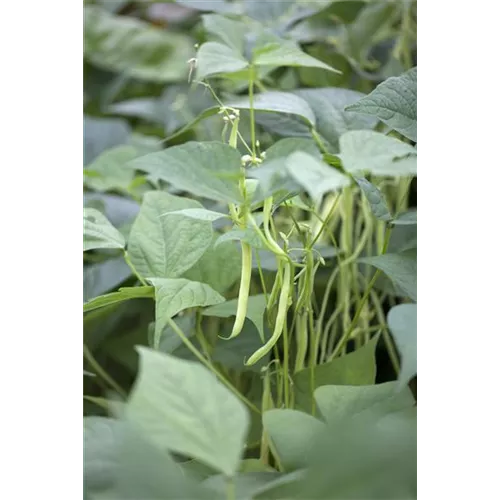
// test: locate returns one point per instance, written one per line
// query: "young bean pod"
(280, 318)
(246, 275)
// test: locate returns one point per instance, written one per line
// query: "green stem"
(347, 334)
(252, 111)
(102, 372)
(133, 269)
(230, 489)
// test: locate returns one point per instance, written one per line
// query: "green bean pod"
(280, 318)
(246, 275)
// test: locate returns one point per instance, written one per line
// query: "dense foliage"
(250, 247)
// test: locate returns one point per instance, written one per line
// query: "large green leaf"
(199, 214)
(285, 147)
(174, 295)
(182, 407)
(119, 43)
(287, 53)
(365, 456)
(255, 311)
(146, 108)
(274, 179)
(402, 321)
(293, 434)
(100, 134)
(228, 31)
(356, 368)
(103, 276)
(209, 169)
(214, 58)
(166, 247)
(364, 151)
(282, 13)
(278, 102)
(394, 102)
(315, 176)
(339, 402)
(98, 232)
(401, 269)
(107, 172)
(328, 105)
(219, 267)
(101, 438)
(127, 293)
(357, 38)
(120, 463)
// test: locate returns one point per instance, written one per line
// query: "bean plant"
(250, 250)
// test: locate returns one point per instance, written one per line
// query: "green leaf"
(170, 342)
(274, 180)
(166, 247)
(358, 37)
(228, 31)
(406, 219)
(174, 295)
(278, 102)
(376, 198)
(119, 462)
(285, 486)
(401, 268)
(339, 402)
(220, 267)
(367, 151)
(315, 176)
(402, 321)
(126, 44)
(207, 113)
(101, 134)
(293, 434)
(393, 102)
(181, 406)
(207, 169)
(248, 235)
(98, 231)
(214, 58)
(103, 276)
(328, 105)
(255, 311)
(287, 53)
(285, 147)
(199, 214)
(282, 13)
(365, 456)
(356, 368)
(101, 437)
(108, 170)
(127, 293)
(146, 108)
